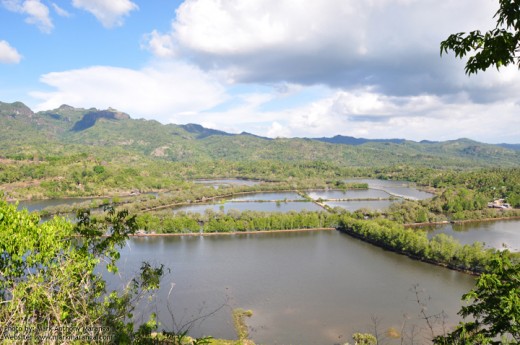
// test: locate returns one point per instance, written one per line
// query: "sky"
(276, 68)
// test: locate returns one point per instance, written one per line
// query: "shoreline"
(445, 222)
(483, 220)
(389, 248)
(249, 232)
(91, 197)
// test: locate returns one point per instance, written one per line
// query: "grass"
(239, 316)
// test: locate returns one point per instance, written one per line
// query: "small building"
(499, 203)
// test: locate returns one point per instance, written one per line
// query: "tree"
(50, 288)
(495, 307)
(498, 47)
(364, 339)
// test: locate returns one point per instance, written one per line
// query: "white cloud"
(343, 43)
(8, 54)
(244, 115)
(180, 93)
(161, 92)
(38, 13)
(377, 62)
(60, 11)
(278, 131)
(367, 113)
(231, 25)
(109, 13)
(379, 58)
(364, 113)
(160, 45)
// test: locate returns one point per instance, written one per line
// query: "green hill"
(24, 132)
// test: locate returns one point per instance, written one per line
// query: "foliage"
(239, 316)
(462, 199)
(408, 212)
(40, 157)
(364, 339)
(494, 308)
(50, 285)
(497, 47)
(441, 249)
(98, 169)
(211, 221)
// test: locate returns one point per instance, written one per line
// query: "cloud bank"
(159, 92)
(288, 68)
(390, 44)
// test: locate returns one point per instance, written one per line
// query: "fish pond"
(315, 287)
(402, 189)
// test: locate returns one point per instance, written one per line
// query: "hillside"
(67, 129)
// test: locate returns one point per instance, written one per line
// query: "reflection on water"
(303, 288)
(494, 234)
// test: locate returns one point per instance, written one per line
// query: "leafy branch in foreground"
(494, 308)
(50, 288)
(498, 47)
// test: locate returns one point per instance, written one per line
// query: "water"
(303, 288)
(38, 205)
(494, 234)
(397, 188)
(373, 205)
(378, 189)
(266, 196)
(349, 194)
(228, 182)
(251, 206)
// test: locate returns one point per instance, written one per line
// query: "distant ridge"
(202, 132)
(515, 147)
(255, 136)
(25, 134)
(346, 140)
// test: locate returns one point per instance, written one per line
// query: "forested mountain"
(25, 134)
(340, 139)
(511, 146)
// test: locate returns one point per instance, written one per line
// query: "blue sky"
(270, 67)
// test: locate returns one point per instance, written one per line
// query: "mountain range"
(25, 133)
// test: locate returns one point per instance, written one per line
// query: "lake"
(303, 288)
(493, 234)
